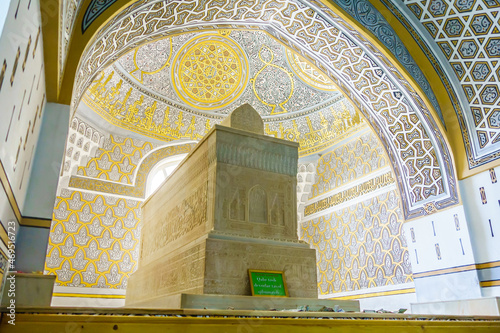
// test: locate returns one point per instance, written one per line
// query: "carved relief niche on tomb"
(257, 208)
(257, 204)
(237, 208)
(277, 210)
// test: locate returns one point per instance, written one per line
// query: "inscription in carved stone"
(351, 193)
(179, 221)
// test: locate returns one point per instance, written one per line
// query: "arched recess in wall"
(257, 205)
(160, 172)
(399, 114)
(147, 165)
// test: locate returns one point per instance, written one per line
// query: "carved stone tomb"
(229, 206)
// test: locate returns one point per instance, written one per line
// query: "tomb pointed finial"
(245, 118)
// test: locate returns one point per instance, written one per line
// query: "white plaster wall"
(484, 224)
(491, 291)
(4, 8)
(485, 239)
(22, 99)
(22, 102)
(6, 212)
(44, 175)
(439, 228)
(455, 255)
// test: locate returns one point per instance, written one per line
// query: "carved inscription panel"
(177, 223)
(173, 273)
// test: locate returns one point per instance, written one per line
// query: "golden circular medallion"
(209, 72)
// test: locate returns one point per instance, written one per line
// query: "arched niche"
(257, 205)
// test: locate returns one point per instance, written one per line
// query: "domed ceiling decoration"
(178, 87)
(109, 82)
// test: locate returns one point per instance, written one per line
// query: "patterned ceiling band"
(96, 8)
(309, 73)
(468, 47)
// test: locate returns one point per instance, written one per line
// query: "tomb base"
(234, 302)
(215, 265)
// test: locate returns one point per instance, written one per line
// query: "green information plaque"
(268, 283)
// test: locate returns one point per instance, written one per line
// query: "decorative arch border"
(418, 151)
(95, 8)
(138, 189)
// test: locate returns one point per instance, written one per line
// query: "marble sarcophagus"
(228, 207)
